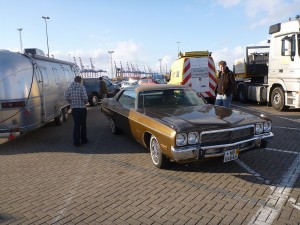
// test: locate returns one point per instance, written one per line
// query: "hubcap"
(155, 151)
(277, 99)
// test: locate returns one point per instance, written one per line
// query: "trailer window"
(56, 77)
(45, 76)
(67, 74)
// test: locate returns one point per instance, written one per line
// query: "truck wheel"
(59, 119)
(277, 99)
(94, 100)
(242, 93)
(158, 158)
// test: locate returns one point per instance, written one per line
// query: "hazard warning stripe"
(211, 73)
(186, 66)
(187, 78)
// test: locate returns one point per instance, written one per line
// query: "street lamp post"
(111, 62)
(178, 42)
(20, 29)
(160, 66)
(47, 18)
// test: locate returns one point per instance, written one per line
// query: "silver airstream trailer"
(32, 90)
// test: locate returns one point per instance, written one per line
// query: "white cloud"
(228, 3)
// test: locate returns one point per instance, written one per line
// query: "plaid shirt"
(76, 95)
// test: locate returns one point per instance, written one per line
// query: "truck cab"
(272, 73)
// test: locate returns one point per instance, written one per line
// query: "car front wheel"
(158, 158)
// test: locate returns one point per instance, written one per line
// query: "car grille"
(226, 136)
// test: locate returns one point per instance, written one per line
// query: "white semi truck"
(272, 73)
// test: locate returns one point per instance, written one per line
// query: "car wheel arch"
(146, 139)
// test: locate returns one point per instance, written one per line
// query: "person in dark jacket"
(103, 88)
(77, 97)
(225, 85)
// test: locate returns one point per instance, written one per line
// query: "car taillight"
(7, 105)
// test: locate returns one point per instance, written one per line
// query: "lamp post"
(20, 29)
(160, 66)
(46, 18)
(178, 42)
(111, 62)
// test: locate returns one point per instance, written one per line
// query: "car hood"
(202, 117)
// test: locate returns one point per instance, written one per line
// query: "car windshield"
(169, 98)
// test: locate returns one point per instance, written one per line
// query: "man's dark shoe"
(76, 144)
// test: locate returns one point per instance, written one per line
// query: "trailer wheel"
(59, 119)
(242, 93)
(65, 114)
(277, 99)
(94, 100)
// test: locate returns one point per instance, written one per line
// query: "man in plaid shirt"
(77, 97)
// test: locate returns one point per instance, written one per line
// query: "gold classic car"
(177, 125)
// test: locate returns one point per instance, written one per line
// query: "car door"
(123, 118)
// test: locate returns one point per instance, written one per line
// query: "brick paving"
(111, 180)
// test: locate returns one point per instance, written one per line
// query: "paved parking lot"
(111, 180)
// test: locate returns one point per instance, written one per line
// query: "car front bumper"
(196, 152)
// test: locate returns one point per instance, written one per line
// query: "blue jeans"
(79, 131)
(223, 100)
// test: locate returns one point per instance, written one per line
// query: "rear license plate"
(231, 155)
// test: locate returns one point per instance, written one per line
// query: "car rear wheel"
(114, 129)
(158, 158)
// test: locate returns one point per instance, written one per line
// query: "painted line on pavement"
(280, 195)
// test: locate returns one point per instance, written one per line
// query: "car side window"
(127, 99)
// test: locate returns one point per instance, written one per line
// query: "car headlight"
(259, 128)
(193, 138)
(267, 126)
(181, 139)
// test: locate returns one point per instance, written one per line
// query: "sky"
(143, 33)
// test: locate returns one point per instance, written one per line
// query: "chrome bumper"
(198, 152)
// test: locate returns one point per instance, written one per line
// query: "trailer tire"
(65, 114)
(59, 119)
(242, 93)
(277, 99)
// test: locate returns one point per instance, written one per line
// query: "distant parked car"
(92, 86)
(146, 81)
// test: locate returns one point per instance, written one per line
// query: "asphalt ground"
(44, 179)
